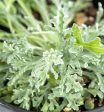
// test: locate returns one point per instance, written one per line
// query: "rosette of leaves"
(47, 76)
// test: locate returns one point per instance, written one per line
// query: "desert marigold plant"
(43, 62)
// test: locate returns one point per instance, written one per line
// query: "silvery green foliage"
(38, 76)
(70, 7)
(53, 56)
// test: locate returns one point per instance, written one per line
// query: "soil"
(86, 16)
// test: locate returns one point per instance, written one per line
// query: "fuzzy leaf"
(61, 21)
(99, 12)
(101, 81)
(39, 81)
(95, 92)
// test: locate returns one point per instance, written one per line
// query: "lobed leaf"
(93, 46)
(95, 92)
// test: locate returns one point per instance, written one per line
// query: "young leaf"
(93, 46)
(99, 12)
(77, 33)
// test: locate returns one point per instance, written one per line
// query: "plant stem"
(42, 32)
(10, 25)
(42, 10)
(24, 7)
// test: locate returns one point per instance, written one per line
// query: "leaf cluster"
(42, 63)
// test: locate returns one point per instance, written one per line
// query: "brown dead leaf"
(67, 109)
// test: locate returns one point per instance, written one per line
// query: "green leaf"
(2, 78)
(45, 107)
(95, 92)
(92, 85)
(52, 79)
(7, 98)
(89, 105)
(25, 105)
(80, 101)
(87, 95)
(77, 33)
(93, 46)
(58, 22)
(61, 21)
(59, 109)
(4, 67)
(99, 12)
